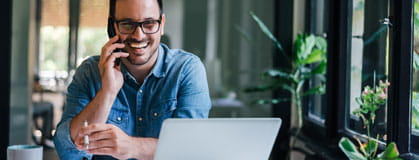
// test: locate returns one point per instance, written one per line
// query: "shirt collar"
(158, 68)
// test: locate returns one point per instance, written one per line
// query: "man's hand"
(110, 73)
(107, 139)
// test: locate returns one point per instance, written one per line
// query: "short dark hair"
(112, 4)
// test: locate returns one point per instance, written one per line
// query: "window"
(92, 33)
(53, 50)
(369, 59)
(367, 41)
(316, 24)
(234, 50)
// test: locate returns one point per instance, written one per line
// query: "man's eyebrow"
(150, 18)
(125, 19)
(133, 20)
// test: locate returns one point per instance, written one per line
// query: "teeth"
(138, 45)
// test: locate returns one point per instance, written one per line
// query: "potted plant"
(370, 101)
(307, 61)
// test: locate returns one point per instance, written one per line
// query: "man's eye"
(149, 24)
(127, 25)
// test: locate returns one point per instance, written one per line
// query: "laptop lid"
(217, 139)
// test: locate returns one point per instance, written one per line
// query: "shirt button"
(155, 114)
(140, 118)
(141, 91)
(119, 118)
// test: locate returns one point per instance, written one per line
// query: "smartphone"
(112, 33)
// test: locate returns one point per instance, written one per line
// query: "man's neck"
(140, 72)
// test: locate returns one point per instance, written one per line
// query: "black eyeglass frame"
(139, 24)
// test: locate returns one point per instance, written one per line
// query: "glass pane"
(235, 51)
(92, 28)
(50, 73)
(369, 60)
(318, 26)
(53, 43)
(415, 85)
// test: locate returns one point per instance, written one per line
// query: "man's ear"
(163, 20)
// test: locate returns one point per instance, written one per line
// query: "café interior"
(331, 70)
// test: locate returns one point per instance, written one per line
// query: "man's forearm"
(96, 111)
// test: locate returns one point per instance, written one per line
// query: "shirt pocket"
(160, 112)
(118, 115)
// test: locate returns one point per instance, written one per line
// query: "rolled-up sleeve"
(78, 96)
(194, 99)
(64, 145)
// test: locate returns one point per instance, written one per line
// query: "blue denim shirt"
(175, 88)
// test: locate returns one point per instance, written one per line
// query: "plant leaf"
(304, 46)
(315, 90)
(371, 146)
(390, 152)
(350, 149)
(321, 43)
(320, 69)
(315, 56)
(277, 73)
(266, 31)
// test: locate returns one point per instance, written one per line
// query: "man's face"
(140, 46)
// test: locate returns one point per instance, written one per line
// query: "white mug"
(24, 152)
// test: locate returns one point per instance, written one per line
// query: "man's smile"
(140, 45)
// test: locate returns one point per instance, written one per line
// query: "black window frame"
(401, 47)
(338, 74)
(5, 69)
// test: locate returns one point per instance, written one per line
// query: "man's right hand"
(111, 76)
(108, 139)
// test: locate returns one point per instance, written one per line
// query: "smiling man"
(125, 95)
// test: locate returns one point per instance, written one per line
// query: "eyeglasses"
(129, 27)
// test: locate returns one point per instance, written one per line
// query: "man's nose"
(139, 34)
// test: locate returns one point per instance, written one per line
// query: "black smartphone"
(112, 33)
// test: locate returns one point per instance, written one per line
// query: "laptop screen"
(217, 139)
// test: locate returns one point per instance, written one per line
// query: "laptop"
(217, 139)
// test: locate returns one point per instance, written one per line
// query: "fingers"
(112, 40)
(96, 132)
(108, 49)
(103, 143)
(92, 128)
(110, 61)
(110, 46)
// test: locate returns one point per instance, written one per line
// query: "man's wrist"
(136, 142)
(144, 147)
(110, 93)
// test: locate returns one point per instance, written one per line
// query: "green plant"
(415, 96)
(370, 101)
(415, 110)
(307, 61)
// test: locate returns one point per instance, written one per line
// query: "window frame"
(400, 52)
(5, 69)
(401, 43)
(338, 74)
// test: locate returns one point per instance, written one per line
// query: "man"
(125, 104)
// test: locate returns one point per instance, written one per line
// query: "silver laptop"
(217, 139)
